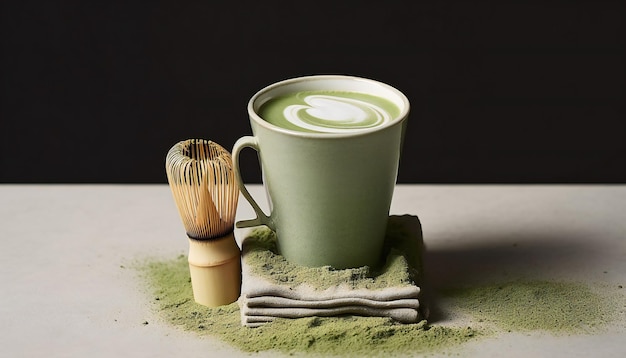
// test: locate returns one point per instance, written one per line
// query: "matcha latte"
(332, 142)
(328, 111)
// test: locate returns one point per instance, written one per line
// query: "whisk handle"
(261, 219)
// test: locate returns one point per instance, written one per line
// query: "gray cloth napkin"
(274, 288)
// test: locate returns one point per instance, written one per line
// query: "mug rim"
(404, 112)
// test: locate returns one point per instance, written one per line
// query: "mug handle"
(261, 219)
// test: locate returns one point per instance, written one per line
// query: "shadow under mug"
(329, 193)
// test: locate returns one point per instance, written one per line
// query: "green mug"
(329, 193)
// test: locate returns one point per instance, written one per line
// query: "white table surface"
(64, 292)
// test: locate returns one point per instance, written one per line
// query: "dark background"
(501, 92)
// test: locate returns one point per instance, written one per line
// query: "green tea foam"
(328, 111)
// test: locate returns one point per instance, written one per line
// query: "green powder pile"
(556, 307)
(260, 252)
(170, 287)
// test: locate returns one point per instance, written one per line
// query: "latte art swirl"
(324, 113)
(328, 111)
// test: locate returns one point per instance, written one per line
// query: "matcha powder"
(261, 253)
(173, 297)
(560, 308)
(556, 307)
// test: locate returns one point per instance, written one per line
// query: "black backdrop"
(501, 92)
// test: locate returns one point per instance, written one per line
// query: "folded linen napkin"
(274, 288)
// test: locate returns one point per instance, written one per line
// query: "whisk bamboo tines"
(201, 177)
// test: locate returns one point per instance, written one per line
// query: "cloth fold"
(274, 288)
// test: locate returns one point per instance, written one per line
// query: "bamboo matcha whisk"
(201, 177)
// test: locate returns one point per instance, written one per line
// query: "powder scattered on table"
(555, 307)
(358, 336)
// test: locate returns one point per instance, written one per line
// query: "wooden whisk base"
(215, 268)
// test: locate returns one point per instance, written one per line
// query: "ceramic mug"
(329, 193)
